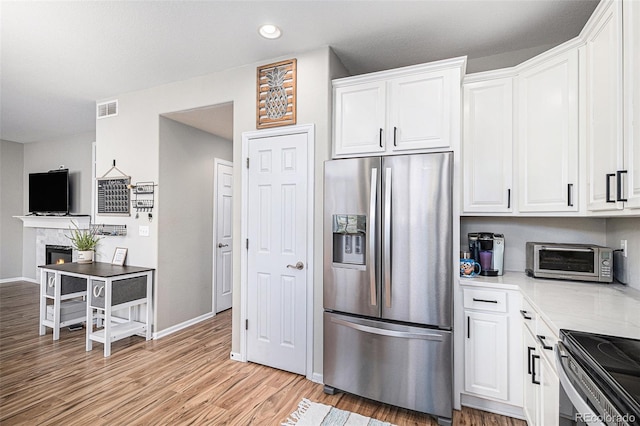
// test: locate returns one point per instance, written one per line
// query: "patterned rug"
(316, 414)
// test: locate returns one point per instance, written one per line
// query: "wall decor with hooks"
(144, 197)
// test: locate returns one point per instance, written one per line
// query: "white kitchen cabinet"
(541, 384)
(492, 344)
(487, 145)
(485, 355)
(604, 102)
(631, 34)
(547, 146)
(410, 109)
(360, 118)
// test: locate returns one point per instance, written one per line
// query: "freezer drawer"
(405, 366)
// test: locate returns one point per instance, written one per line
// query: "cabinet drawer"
(485, 300)
(546, 341)
(529, 316)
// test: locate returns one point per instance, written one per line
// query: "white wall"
(627, 229)
(11, 199)
(132, 138)
(185, 225)
(518, 230)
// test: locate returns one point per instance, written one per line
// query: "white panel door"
(419, 111)
(223, 240)
(603, 76)
(277, 231)
(547, 145)
(485, 354)
(359, 118)
(487, 146)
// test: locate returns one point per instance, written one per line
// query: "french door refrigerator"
(388, 280)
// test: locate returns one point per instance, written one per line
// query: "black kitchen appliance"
(599, 378)
(487, 249)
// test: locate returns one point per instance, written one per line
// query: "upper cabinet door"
(547, 146)
(359, 119)
(604, 120)
(419, 113)
(631, 25)
(487, 146)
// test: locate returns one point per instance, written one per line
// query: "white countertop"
(611, 309)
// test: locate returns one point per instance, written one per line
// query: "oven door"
(574, 406)
(574, 262)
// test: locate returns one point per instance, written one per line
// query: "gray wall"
(11, 194)
(74, 153)
(185, 220)
(518, 230)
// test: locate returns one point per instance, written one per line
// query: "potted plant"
(85, 242)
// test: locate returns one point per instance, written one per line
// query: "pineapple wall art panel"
(276, 103)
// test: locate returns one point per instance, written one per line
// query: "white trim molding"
(182, 325)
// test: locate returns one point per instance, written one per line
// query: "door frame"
(216, 163)
(309, 130)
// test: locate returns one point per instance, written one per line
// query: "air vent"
(107, 109)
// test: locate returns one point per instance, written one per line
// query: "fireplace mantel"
(55, 222)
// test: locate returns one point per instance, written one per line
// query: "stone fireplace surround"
(53, 237)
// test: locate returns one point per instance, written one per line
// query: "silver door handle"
(220, 245)
(387, 238)
(371, 230)
(299, 266)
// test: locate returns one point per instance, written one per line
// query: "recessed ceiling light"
(269, 31)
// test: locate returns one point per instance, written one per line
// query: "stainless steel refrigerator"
(388, 280)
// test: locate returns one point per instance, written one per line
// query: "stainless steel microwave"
(581, 262)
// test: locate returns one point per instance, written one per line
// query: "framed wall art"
(276, 97)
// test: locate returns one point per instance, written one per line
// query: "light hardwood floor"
(184, 378)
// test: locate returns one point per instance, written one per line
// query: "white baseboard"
(12, 280)
(496, 407)
(316, 378)
(181, 326)
(236, 356)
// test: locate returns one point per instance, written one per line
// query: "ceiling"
(58, 58)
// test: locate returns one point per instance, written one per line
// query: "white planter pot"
(85, 256)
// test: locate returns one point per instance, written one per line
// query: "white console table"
(109, 288)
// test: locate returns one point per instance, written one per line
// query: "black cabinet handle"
(619, 185)
(525, 316)
(380, 137)
(529, 350)
(468, 327)
(608, 189)
(570, 195)
(542, 341)
(509, 198)
(533, 369)
(484, 300)
(395, 133)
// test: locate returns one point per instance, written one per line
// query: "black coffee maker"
(487, 249)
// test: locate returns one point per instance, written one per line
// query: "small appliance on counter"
(487, 249)
(579, 262)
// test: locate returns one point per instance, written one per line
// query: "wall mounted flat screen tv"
(49, 192)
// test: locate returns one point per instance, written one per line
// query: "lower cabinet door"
(531, 376)
(486, 361)
(549, 406)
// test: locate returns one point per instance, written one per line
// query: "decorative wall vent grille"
(107, 109)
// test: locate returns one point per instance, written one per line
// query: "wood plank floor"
(185, 378)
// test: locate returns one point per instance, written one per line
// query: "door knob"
(220, 245)
(299, 266)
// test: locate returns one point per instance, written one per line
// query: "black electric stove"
(613, 364)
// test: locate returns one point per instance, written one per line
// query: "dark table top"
(96, 269)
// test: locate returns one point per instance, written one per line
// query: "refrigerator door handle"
(389, 333)
(387, 237)
(372, 236)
